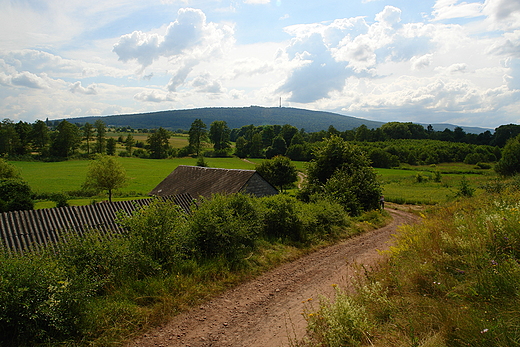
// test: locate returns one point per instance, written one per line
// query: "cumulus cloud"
(25, 79)
(189, 34)
(421, 62)
(78, 88)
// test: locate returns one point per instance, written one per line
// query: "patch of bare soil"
(267, 311)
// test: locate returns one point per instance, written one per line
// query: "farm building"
(203, 182)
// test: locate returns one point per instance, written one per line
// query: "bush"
(282, 218)
(16, 195)
(39, 300)
(226, 226)
(159, 232)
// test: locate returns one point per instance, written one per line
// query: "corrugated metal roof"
(202, 181)
(22, 231)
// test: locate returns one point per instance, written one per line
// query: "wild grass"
(451, 280)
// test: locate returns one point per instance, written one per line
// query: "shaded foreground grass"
(451, 280)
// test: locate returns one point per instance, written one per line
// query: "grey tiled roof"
(203, 181)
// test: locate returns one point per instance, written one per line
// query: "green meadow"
(408, 184)
(143, 174)
(431, 185)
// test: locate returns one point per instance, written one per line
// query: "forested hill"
(237, 117)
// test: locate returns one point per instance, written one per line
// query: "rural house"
(203, 182)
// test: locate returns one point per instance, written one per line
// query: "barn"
(200, 181)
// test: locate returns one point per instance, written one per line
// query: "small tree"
(279, 171)
(105, 173)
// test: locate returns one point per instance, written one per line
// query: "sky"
(422, 61)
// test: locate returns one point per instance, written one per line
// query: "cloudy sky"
(444, 61)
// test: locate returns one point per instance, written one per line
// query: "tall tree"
(66, 139)
(111, 146)
(40, 136)
(219, 135)
(159, 143)
(197, 135)
(88, 135)
(105, 173)
(100, 136)
(23, 129)
(9, 139)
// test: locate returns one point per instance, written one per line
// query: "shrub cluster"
(49, 297)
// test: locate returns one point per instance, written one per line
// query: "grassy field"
(399, 185)
(403, 185)
(144, 175)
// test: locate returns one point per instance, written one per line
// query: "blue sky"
(444, 61)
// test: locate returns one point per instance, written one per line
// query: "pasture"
(400, 185)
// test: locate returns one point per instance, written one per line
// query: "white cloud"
(189, 35)
(421, 62)
(78, 88)
(449, 9)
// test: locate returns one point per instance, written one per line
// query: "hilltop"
(237, 117)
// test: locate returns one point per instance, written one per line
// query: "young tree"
(105, 173)
(197, 135)
(219, 135)
(279, 171)
(159, 143)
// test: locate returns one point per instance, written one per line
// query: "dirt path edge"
(267, 311)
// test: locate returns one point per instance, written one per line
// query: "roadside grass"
(451, 280)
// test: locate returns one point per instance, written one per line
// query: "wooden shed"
(204, 182)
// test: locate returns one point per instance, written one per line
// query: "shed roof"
(203, 181)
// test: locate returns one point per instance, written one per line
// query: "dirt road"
(267, 311)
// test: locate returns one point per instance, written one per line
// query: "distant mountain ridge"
(237, 117)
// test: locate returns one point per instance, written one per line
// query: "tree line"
(387, 146)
